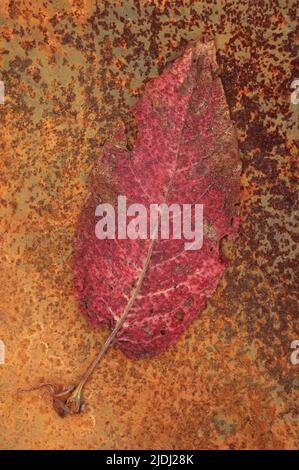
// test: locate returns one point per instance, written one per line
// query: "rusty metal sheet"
(71, 69)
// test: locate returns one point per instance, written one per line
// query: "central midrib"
(138, 286)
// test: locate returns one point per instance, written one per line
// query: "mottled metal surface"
(70, 71)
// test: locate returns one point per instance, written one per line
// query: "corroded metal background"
(71, 68)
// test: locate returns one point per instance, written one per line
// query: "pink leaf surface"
(185, 152)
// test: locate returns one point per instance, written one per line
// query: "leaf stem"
(70, 399)
(75, 401)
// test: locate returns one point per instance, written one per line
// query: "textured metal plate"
(70, 71)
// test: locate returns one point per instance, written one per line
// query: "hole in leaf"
(162, 332)
(131, 130)
(179, 316)
(225, 247)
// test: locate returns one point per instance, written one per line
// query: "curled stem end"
(68, 401)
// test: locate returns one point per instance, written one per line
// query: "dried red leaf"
(185, 152)
(148, 291)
